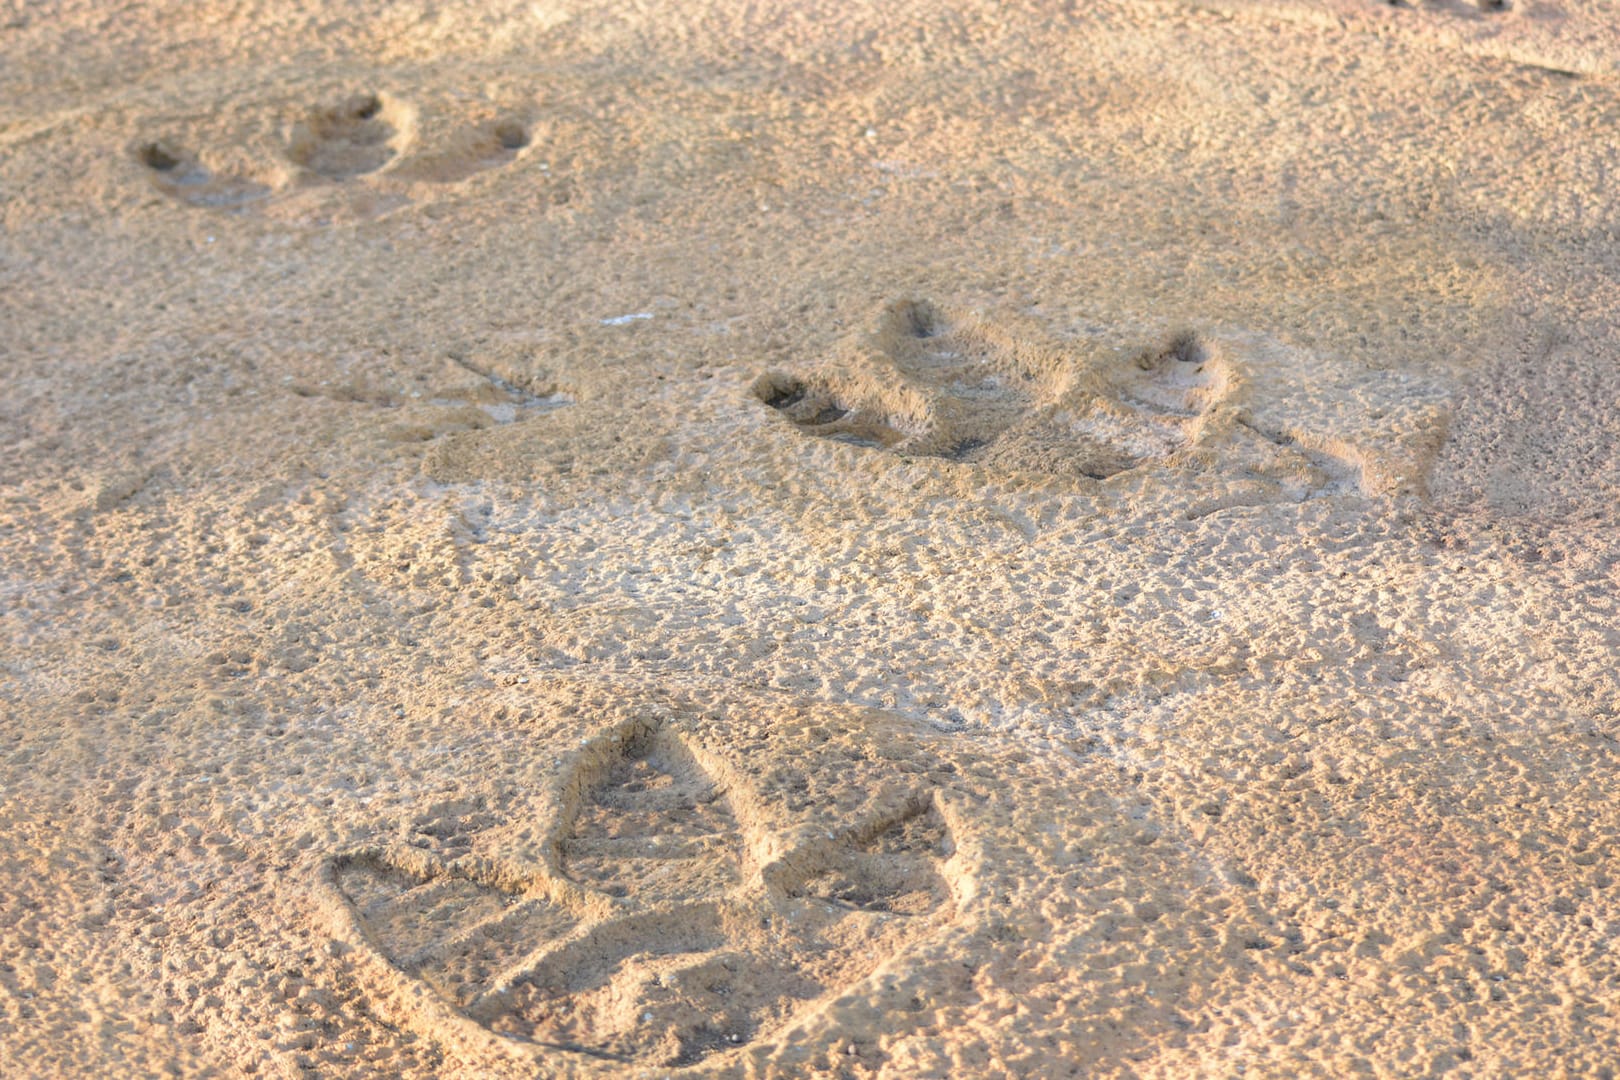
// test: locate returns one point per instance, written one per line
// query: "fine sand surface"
(815, 539)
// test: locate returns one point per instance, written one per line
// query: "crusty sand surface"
(809, 540)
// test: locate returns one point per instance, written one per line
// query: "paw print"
(667, 922)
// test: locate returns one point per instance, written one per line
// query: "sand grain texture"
(820, 540)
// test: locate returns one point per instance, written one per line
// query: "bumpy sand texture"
(809, 540)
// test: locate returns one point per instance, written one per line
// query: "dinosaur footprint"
(1269, 421)
(927, 383)
(360, 155)
(941, 387)
(658, 933)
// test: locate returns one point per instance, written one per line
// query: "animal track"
(179, 174)
(668, 924)
(362, 135)
(927, 382)
(963, 389)
(355, 137)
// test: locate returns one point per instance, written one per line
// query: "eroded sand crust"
(548, 539)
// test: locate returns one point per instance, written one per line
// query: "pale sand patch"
(832, 540)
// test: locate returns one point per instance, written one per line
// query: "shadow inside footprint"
(918, 319)
(178, 174)
(352, 138)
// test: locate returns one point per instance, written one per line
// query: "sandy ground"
(809, 540)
